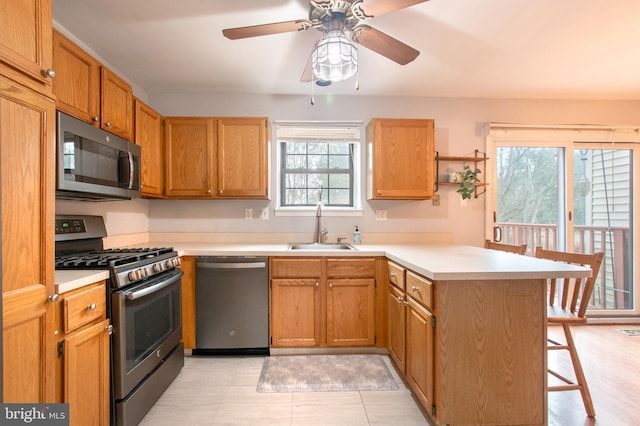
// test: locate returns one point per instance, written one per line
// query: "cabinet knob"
(414, 289)
(392, 277)
(400, 299)
(49, 73)
(108, 124)
(109, 329)
(317, 284)
(379, 192)
(220, 192)
(91, 307)
(208, 191)
(96, 119)
(330, 285)
(53, 298)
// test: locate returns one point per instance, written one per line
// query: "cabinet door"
(25, 41)
(396, 306)
(77, 82)
(188, 266)
(149, 135)
(27, 188)
(242, 158)
(116, 97)
(86, 375)
(402, 159)
(351, 312)
(420, 352)
(295, 313)
(190, 156)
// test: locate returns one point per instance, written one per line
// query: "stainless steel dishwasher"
(232, 305)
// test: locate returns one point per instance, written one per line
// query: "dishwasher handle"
(246, 265)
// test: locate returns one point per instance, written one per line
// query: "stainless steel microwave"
(93, 164)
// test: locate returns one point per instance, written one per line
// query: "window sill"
(311, 211)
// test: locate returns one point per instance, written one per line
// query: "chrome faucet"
(319, 233)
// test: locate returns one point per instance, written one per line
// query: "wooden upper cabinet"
(89, 91)
(25, 42)
(208, 157)
(117, 105)
(77, 82)
(190, 157)
(149, 135)
(401, 163)
(242, 157)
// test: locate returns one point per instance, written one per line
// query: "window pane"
(296, 197)
(318, 162)
(296, 180)
(339, 197)
(339, 181)
(296, 148)
(318, 148)
(339, 148)
(338, 162)
(296, 162)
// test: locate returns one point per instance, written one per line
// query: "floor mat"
(630, 331)
(325, 373)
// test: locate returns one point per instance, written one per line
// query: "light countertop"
(434, 261)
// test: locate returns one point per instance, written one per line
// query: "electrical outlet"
(248, 213)
(436, 200)
(381, 215)
(265, 213)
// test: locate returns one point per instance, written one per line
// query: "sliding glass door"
(550, 190)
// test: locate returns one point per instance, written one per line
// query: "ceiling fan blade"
(372, 8)
(267, 29)
(384, 44)
(307, 74)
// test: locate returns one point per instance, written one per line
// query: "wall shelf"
(479, 160)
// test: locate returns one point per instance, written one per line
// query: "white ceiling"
(537, 49)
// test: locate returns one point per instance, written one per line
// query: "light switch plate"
(265, 213)
(381, 215)
(248, 213)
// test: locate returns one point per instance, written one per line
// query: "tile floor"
(222, 391)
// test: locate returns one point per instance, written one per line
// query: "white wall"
(459, 130)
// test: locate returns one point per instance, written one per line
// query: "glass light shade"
(334, 58)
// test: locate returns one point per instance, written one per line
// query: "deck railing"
(614, 288)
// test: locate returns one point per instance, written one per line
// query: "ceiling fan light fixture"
(334, 58)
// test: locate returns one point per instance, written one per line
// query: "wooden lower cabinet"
(83, 352)
(474, 350)
(188, 266)
(419, 362)
(397, 313)
(320, 302)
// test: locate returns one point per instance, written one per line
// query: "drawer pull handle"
(91, 307)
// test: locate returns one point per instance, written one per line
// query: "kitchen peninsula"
(484, 359)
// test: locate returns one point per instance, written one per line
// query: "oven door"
(147, 321)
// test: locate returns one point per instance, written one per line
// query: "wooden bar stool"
(521, 249)
(573, 299)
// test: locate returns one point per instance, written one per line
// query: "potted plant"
(467, 180)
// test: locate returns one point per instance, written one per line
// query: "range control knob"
(134, 275)
(157, 267)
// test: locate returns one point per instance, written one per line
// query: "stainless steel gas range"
(144, 306)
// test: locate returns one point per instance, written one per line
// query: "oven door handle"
(134, 295)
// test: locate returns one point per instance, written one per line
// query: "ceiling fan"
(341, 23)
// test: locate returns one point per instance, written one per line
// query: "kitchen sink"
(320, 246)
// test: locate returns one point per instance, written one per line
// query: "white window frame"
(321, 131)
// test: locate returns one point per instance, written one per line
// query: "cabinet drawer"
(351, 268)
(84, 306)
(296, 268)
(396, 275)
(420, 289)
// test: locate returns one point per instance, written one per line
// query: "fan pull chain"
(313, 83)
(357, 79)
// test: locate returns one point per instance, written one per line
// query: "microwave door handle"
(131, 170)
